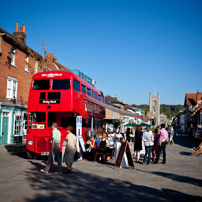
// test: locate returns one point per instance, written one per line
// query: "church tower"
(154, 107)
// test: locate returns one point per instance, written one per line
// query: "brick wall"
(18, 72)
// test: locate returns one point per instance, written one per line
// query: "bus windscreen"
(36, 117)
(41, 84)
(61, 84)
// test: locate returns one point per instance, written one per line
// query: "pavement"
(180, 179)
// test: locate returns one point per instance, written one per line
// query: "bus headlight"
(64, 143)
(30, 142)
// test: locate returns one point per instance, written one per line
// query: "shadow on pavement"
(178, 178)
(80, 186)
(186, 153)
(185, 141)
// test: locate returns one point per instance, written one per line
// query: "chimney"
(115, 96)
(20, 35)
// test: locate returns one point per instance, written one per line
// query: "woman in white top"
(148, 139)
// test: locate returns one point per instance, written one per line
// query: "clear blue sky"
(129, 47)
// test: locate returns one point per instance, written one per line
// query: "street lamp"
(11, 56)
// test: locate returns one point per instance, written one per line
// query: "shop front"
(12, 123)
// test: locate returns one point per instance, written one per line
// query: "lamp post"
(11, 55)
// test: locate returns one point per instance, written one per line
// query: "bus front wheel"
(29, 155)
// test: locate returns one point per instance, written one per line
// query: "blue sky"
(128, 46)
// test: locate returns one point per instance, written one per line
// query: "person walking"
(163, 142)
(138, 143)
(171, 135)
(148, 139)
(70, 149)
(156, 143)
(55, 150)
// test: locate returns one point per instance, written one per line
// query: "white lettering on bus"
(52, 75)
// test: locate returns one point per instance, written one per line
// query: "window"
(76, 85)
(54, 95)
(11, 88)
(13, 57)
(113, 115)
(83, 89)
(26, 63)
(41, 84)
(37, 117)
(42, 96)
(20, 123)
(89, 92)
(99, 98)
(36, 66)
(95, 95)
(61, 84)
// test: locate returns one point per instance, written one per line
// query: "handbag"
(77, 155)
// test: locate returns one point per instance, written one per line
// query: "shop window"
(20, 124)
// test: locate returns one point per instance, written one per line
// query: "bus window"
(89, 92)
(84, 123)
(83, 89)
(68, 121)
(37, 117)
(76, 85)
(41, 84)
(89, 122)
(54, 95)
(61, 84)
(95, 95)
(99, 98)
(42, 96)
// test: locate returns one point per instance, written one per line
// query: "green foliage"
(168, 110)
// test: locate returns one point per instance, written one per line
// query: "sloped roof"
(192, 98)
(126, 106)
(111, 104)
(60, 66)
(113, 100)
(147, 118)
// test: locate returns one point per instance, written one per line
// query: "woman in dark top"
(138, 143)
(103, 144)
(128, 132)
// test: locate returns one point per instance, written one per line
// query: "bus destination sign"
(49, 101)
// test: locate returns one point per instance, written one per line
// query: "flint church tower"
(154, 107)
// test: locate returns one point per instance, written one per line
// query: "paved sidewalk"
(178, 180)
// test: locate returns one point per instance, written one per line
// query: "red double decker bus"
(59, 96)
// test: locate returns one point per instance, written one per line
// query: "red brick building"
(18, 63)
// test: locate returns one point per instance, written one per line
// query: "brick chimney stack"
(20, 35)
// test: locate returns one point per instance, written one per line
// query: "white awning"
(114, 109)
